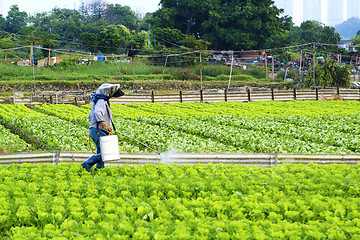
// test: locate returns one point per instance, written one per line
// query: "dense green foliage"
(180, 202)
(233, 25)
(176, 26)
(258, 127)
(328, 74)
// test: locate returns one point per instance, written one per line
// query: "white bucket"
(109, 146)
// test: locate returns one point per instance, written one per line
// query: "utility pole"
(162, 77)
(31, 64)
(314, 56)
(300, 66)
(272, 68)
(149, 38)
(133, 62)
(49, 55)
(231, 68)
(266, 66)
(201, 77)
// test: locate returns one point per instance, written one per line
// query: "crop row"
(195, 127)
(162, 138)
(180, 202)
(251, 110)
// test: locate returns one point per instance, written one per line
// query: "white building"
(336, 12)
(329, 12)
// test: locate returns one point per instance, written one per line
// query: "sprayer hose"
(139, 142)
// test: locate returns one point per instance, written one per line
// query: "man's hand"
(106, 127)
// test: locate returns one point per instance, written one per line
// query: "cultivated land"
(184, 202)
(267, 127)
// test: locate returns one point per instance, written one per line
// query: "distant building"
(353, 9)
(312, 10)
(336, 12)
(329, 12)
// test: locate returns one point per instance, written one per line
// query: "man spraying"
(100, 117)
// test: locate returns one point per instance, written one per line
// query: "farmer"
(100, 118)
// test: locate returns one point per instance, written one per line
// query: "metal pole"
(133, 86)
(272, 70)
(201, 78)
(232, 63)
(314, 56)
(149, 38)
(301, 53)
(266, 67)
(164, 67)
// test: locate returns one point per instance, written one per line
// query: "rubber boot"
(91, 161)
(100, 164)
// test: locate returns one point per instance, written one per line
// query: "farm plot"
(261, 127)
(180, 202)
(153, 135)
(46, 132)
(12, 143)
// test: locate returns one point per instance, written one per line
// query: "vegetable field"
(180, 202)
(184, 201)
(257, 127)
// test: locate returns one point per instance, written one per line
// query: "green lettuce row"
(180, 202)
(247, 139)
(162, 139)
(320, 130)
(46, 132)
(10, 142)
(252, 109)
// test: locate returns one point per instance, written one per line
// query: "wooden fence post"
(338, 90)
(317, 94)
(152, 97)
(201, 95)
(51, 98)
(294, 93)
(181, 100)
(272, 94)
(249, 97)
(225, 92)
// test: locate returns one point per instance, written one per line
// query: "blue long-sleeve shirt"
(100, 112)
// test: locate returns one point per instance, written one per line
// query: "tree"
(90, 36)
(15, 20)
(121, 15)
(329, 74)
(2, 23)
(226, 24)
(355, 41)
(113, 37)
(313, 31)
(67, 24)
(94, 12)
